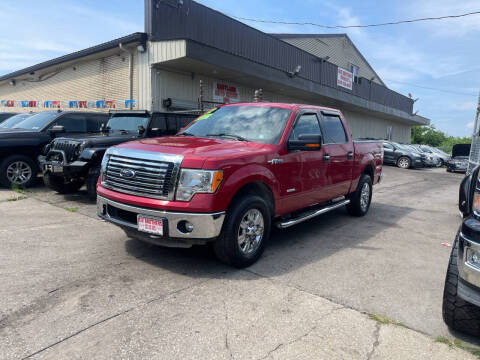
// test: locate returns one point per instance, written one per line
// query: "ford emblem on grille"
(127, 173)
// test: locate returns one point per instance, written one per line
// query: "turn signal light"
(476, 201)
(216, 180)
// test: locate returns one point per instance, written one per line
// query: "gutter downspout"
(130, 69)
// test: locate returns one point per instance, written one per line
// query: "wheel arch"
(259, 188)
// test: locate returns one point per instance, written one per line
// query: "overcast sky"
(441, 54)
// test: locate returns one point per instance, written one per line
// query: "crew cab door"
(338, 155)
(301, 174)
(388, 153)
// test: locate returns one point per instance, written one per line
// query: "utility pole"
(475, 148)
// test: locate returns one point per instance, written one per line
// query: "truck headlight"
(193, 181)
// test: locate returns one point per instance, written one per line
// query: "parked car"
(14, 120)
(461, 296)
(444, 157)
(235, 171)
(5, 115)
(431, 159)
(21, 145)
(459, 160)
(69, 163)
(401, 156)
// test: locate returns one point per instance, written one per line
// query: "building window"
(354, 70)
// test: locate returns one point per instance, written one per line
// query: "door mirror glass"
(57, 129)
(306, 142)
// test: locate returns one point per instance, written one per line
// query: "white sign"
(225, 94)
(344, 79)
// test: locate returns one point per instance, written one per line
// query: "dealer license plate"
(150, 225)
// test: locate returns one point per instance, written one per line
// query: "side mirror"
(56, 129)
(306, 142)
(140, 130)
(467, 188)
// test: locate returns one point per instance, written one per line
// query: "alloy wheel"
(365, 197)
(19, 172)
(250, 231)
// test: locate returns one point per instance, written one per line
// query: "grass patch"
(18, 189)
(384, 320)
(72, 209)
(455, 343)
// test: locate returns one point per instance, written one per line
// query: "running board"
(311, 214)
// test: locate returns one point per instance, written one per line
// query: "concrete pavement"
(72, 286)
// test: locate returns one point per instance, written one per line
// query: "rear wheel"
(91, 182)
(361, 199)
(404, 162)
(244, 232)
(18, 170)
(59, 184)
(457, 313)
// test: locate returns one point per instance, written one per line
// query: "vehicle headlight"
(103, 166)
(193, 181)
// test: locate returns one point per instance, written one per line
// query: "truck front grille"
(68, 148)
(142, 177)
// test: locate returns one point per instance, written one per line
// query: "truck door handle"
(350, 155)
(326, 158)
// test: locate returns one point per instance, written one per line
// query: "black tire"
(404, 162)
(27, 165)
(91, 182)
(457, 313)
(357, 207)
(227, 247)
(58, 184)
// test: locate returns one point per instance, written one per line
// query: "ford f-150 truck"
(233, 172)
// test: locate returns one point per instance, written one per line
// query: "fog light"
(185, 227)
(473, 257)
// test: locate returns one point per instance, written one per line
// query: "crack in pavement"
(163, 297)
(227, 345)
(301, 337)
(376, 335)
(77, 333)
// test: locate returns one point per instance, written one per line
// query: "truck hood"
(100, 140)
(460, 150)
(202, 152)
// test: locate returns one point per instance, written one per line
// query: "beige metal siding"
(181, 86)
(167, 50)
(104, 78)
(340, 50)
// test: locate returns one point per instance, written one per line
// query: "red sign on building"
(344, 79)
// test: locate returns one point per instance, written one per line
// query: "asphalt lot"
(72, 286)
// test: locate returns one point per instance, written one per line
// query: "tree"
(429, 135)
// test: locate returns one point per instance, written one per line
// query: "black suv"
(68, 163)
(401, 156)
(21, 145)
(461, 296)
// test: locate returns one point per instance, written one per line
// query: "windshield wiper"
(185, 133)
(237, 137)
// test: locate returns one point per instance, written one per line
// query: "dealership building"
(186, 44)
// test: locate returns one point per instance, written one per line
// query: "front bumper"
(469, 272)
(417, 162)
(62, 169)
(206, 226)
(461, 167)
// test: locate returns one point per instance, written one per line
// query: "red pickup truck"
(233, 172)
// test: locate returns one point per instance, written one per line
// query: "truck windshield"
(263, 124)
(14, 120)
(37, 122)
(127, 123)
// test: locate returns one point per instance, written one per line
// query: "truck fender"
(251, 174)
(90, 153)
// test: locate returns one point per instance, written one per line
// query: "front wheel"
(457, 313)
(361, 199)
(18, 170)
(59, 184)
(404, 162)
(244, 233)
(91, 183)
